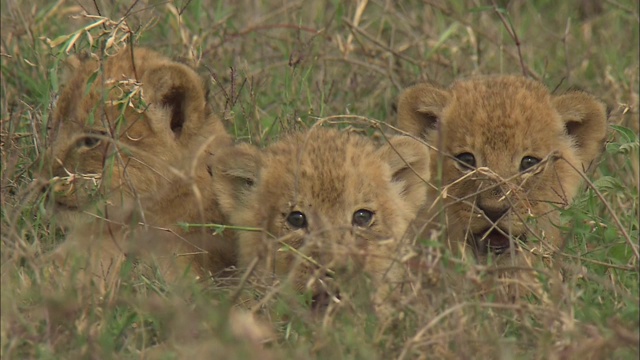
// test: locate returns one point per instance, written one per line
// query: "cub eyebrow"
(97, 131)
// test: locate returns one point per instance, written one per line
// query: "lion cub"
(510, 154)
(324, 201)
(130, 138)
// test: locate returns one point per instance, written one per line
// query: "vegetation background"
(277, 65)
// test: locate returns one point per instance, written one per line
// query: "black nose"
(494, 214)
(42, 185)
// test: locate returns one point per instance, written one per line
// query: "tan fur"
(501, 120)
(328, 176)
(114, 163)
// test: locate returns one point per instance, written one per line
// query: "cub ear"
(409, 162)
(420, 108)
(69, 67)
(235, 172)
(177, 95)
(77, 66)
(585, 119)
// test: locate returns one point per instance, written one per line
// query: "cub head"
(324, 201)
(509, 152)
(122, 129)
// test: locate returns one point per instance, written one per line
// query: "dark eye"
(467, 159)
(89, 142)
(362, 218)
(297, 220)
(528, 162)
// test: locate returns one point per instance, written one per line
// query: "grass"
(275, 66)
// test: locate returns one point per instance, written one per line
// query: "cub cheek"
(455, 191)
(294, 239)
(286, 243)
(544, 186)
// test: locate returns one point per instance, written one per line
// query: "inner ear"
(175, 99)
(572, 128)
(420, 109)
(430, 120)
(408, 160)
(177, 93)
(235, 172)
(585, 121)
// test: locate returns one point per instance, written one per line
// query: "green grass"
(280, 65)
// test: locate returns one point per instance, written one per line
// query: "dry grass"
(279, 65)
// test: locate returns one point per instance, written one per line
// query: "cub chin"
(510, 155)
(129, 141)
(327, 205)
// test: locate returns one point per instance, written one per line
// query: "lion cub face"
(121, 131)
(325, 200)
(510, 152)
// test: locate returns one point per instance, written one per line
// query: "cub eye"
(467, 160)
(297, 220)
(528, 162)
(362, 218)
(89, 142)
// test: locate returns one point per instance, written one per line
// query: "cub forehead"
(501, 113)
(322, 149)
(329, 165)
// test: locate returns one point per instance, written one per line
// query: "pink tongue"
(321, 301)
(497, 240)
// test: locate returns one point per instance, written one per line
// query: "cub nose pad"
(494, 214)
(43, 187)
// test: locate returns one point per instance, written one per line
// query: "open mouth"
(321, 300)
(325, 294)
(494, 242)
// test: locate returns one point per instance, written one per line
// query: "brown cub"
(324, 200)
(130, 138)
(509, 154)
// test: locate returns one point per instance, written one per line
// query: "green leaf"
(607, 183)
(620, 253)
(626, 133)
(90, 82)
(628, 148)
(443, 38)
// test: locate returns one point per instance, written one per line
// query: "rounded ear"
(585, 119)
(235, 172)
(74, 61)
(409, 162)
(176, 94)
(69, 67)
(76, 68)
(420, 108)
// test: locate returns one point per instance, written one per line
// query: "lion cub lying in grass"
(511, 154)
(327, 203)
(130, 137)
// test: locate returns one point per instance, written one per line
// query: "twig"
(243, 280)
(609, 209)
(512, 32)
(381, 45)
(447, 12)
